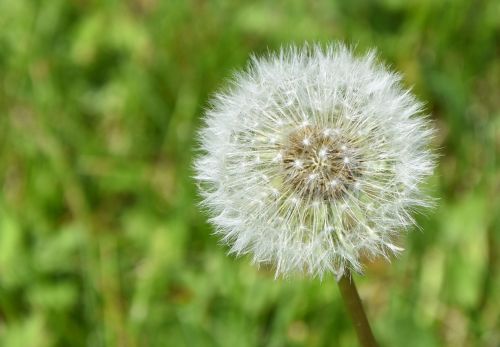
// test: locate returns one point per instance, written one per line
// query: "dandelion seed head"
(313, 160)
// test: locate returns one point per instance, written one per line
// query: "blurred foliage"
(101, 241)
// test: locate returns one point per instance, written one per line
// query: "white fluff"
(312, 160)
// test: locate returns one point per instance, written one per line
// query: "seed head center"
(318, 163)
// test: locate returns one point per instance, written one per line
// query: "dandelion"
(312, 160)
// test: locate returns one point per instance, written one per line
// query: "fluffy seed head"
(313, 160)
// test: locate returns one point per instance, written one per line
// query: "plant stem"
(355, 308)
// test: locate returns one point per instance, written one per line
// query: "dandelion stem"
(356, 311)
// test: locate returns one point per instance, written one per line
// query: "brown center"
(319, 163)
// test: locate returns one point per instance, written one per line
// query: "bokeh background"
(101, 240)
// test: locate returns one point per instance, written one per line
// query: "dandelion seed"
(297, 163)
(322, 152)
(337, 133)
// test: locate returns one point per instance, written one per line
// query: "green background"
(101, 240)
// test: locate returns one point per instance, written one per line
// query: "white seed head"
(313, 160)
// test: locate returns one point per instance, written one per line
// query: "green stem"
(355, 308)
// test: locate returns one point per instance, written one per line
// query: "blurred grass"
(101, 242)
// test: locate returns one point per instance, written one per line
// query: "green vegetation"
(101, 240)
